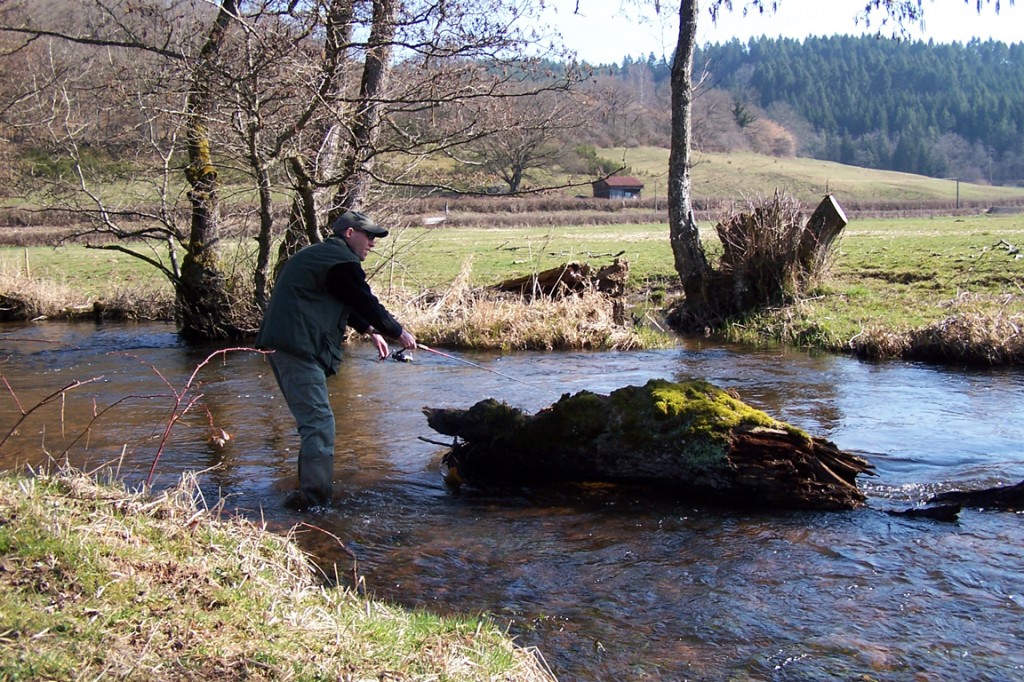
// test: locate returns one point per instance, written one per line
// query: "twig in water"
(355, 561)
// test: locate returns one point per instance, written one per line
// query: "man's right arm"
(347, 282)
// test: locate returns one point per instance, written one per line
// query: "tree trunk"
(352, 191)
(201, 296)
(691, 262)
(303, 225)
(310, 196)
(261, 276)
(692, 438)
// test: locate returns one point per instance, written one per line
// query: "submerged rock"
(692, 438)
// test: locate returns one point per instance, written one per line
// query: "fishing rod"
(473, 364)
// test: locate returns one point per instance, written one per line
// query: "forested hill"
(943, 110)
(909, 106)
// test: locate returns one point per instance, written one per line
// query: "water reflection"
(608, 583)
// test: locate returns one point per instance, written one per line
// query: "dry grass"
(968, 338)
(467, 317)
(100, 583)
(29, 298)
(23, 297)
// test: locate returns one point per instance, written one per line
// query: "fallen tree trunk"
(570, 278)
(1007, 497)
(692, 438)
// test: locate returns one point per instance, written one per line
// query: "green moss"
(711, 409)
(578, 417)
(694, 413)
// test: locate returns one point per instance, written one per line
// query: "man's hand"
(407, 340)
(382, 346)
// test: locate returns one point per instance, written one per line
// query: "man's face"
(360, 242)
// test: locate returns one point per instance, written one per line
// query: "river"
(608, 584)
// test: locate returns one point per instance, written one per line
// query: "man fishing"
(320, 292)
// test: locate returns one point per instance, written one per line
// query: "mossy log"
(692, 438)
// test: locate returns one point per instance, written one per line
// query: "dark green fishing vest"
(303, 319)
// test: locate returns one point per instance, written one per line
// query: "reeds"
(27, 298)
(465, 317)
(967, 338)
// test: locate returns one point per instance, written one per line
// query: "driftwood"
(570, 278)
(692, 438)
(1009, 498)
(947, 512)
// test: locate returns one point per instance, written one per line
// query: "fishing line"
(473, 364)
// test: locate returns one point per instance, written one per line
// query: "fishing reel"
(402, 355)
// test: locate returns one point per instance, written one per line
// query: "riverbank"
(944, 289)
(98, 582)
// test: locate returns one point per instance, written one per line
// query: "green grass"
(91, 272)
(422, 258)
(746, 175)
(432, 258)
(898, 274)
(903, 274)
(97, 582)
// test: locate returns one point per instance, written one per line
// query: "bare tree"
(331, 100)
(703, 303)
(527, 134)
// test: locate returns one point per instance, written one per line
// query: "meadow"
(889, 277)
(921, 258)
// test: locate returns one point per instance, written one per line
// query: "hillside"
(933, 109)
(738, 176)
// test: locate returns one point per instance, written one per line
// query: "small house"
(617, 187)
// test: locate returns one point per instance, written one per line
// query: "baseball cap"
(359, 221)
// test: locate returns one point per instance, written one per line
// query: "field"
(890, 279)
(905, 282)
(896, 274)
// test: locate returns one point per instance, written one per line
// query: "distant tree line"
(942, 110)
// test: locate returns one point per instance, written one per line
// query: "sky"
(605, 31)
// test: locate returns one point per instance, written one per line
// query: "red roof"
(621, 181)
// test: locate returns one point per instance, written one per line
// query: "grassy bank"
(935, 289)
(945, 288)
(100, 583)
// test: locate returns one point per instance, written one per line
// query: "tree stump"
(691, 438)
(822, 228)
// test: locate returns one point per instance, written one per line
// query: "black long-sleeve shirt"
(347, 282)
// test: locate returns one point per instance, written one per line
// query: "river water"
(608, 584)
